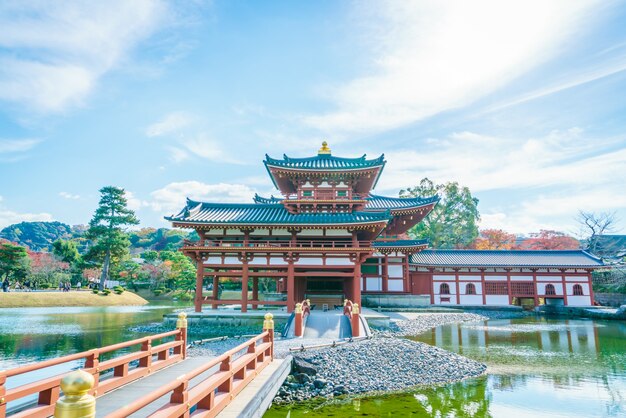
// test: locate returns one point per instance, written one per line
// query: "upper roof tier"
(239, 214)
(506, 258)
(374, 202)
(361, 173)
(324, 162)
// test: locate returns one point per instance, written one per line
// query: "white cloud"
(68, 195)
(133, 202)
(432, 56)
(557, 210)
(170, 124)
(9, 217)
(17, 145)
(484, 162)
(172, 197)
(54, 53)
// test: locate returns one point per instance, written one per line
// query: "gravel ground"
(378, 364)
(421, 322)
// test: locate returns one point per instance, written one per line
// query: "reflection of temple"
(573, 336)
(329, 238)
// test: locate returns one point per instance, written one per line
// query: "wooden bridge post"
(92, 362)
(3, 391)
(268, 325)
(356, 322)
(298, 320)
(77, 403)
(181, 324)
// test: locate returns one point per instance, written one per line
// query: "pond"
(537, 367)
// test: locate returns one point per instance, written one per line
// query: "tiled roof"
(375, 202)
(506, 258)
(266, 200)
(400, 243)
(258, 213)
(324, 162)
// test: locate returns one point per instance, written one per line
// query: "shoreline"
(83, 298)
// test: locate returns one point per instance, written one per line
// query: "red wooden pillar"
(535, 292)
(386, 273)
(356, 282)
(199, 277)
(216, 290)
(291, 287)
(244, 285)
(482, 284)
(564, 284)
(508, 285)
(589, 281)
(255, 291)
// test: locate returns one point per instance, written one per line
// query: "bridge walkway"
(126, 394)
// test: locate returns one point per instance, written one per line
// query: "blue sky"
(524, 102)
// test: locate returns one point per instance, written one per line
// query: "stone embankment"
(383, 363)
(379, 364)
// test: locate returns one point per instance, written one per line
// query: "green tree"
(66, 251)
(453, 221)
(14, 262)
(183, 272)
(107, 230)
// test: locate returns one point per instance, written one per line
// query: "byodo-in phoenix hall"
(328, 238)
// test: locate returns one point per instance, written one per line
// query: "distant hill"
(38, 236)
(159, 239)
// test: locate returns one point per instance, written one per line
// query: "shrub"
(157, 292)
(45, 286)
(95, 291)
(106, 292)
(184, 296)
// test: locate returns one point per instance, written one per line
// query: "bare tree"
(595, 225)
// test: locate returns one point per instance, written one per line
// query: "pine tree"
(107, 229)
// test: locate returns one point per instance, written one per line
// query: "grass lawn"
(73, 298)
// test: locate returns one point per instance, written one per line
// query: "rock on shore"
(379, 364)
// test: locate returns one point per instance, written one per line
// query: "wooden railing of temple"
(351, 310)
(230, 244)
(302, 310)
(149, 359)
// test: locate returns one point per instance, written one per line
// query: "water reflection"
(536, 367)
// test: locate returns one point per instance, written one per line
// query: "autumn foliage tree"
(550, 240)
(494, 239)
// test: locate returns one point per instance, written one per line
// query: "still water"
(536, 368)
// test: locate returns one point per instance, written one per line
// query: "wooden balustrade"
(212, 395)
(351, 310)
(149, 358)
(230, 244)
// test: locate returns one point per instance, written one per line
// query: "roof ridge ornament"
(324, 150)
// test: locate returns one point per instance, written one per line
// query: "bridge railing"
(234, 244)
(214, 393)
(148, 359)
(351, 310)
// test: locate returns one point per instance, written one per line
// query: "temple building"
(328, 237)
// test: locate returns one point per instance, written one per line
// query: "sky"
(524, 102)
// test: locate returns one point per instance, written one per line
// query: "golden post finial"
(268, 324)
(76, 403)
(324, 150)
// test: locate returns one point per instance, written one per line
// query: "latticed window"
(550, 289)
(307, 193)
(444, 289)
(523, 288)
(342, 193)
(496, 288)
(578, 290)
(470, 289)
